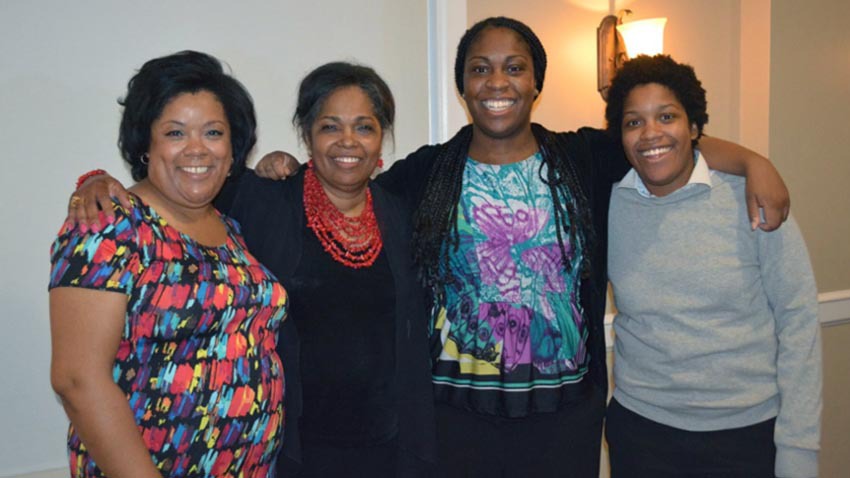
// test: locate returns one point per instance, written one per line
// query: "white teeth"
(195, 169)
(656, 151)
(347, 159)
(498, 105)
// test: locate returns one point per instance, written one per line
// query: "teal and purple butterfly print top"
(511, 325)
(197, 357)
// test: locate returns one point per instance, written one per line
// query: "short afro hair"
(161, 80)
(663, 70)
(538, 53)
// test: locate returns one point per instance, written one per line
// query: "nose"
(348, 138)
(497, 80)
(195, 146)
(650, 130)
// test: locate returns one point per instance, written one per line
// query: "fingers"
(291, 164)
(773, 218)
(277, 165)
(90, 206)
(116, 190)
(265, 168)
(73, 206)
(280, 170)
(753, 211)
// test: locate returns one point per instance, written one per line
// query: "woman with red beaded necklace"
(359, 400)
(355, 348)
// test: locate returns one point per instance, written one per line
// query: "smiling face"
(498, 83)
(190, 153)
(345, 141)
(657, 138)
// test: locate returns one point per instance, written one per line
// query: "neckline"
(135, 198)
(536, 156)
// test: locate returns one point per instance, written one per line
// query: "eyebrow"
(508, 58)
(665, 106)
(339, 119)
(208, 123)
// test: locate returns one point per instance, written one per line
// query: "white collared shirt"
(700, 175)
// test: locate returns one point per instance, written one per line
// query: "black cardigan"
(600, 162)
(271, 214)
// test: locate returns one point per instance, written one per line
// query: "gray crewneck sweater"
(717, 324)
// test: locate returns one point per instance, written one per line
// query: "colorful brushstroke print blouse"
(197, 357)
(511, 326)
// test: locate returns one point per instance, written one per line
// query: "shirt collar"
(700, 175)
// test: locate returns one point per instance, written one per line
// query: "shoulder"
(255, 195)
(734, 185)
(98, 258)
(251, 185)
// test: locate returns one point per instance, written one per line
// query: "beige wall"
(62, 66)
(809, 143)
(702, 33)
(809, 132)
(835, 436)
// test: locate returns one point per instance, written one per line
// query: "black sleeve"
(608, 155)
(224, 200)
(407, 177)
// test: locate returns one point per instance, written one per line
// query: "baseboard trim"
(834, 309)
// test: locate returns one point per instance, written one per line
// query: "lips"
(195, 169)
(656, 152)
(498, 105)
(347, 159)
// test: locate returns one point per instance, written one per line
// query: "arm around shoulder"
(765, 188)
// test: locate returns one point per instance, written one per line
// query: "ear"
(694, 131)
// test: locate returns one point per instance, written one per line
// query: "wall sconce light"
(617, 41)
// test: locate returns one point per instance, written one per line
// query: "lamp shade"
(643, 37)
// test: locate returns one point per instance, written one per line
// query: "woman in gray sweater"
(717, 364)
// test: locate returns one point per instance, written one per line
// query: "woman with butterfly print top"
(511, 234)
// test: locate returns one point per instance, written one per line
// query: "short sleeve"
(106, 260)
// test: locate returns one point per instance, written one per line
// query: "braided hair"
(435, 221)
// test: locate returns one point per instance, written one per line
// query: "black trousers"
(321, 461)
(639, 447)
(565, 443)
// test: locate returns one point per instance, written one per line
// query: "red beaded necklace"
(352, 241)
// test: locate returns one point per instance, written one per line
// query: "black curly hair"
(161, 80)
(663, 70)
(435, 220)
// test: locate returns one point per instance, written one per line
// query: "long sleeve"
(790, 286)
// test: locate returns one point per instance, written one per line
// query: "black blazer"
(271, 214)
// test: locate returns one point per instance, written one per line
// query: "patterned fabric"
(511, 320)
(197, 356)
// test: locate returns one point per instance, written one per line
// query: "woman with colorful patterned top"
(163, 325)
(355, 347)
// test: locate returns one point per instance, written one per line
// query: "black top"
(346, 321)
(272, 217)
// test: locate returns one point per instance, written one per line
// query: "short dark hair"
(318, 85)
(161, 80)
(663, 70)
(538, 53)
